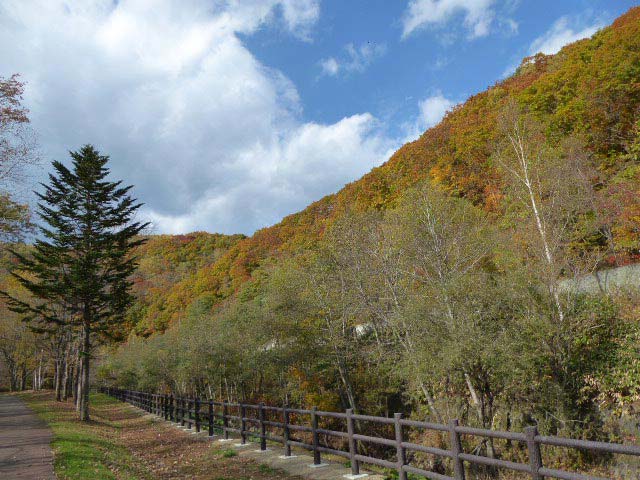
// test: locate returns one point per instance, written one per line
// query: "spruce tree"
(82, 260)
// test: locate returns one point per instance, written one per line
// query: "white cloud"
(512, 26)
(291, 172)
(562, 32)
(211, 138)
(355, 59)
(478, 15)
(300, 16)
(330, 66)
(431, 110)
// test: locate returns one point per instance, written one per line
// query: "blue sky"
(227, 115)
(440, 57)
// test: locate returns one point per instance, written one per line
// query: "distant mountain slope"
(591, 87)
(165, 261)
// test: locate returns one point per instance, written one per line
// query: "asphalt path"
(25, 451)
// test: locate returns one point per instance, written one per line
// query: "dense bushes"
(429, 309)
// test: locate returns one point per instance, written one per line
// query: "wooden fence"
(257, 421)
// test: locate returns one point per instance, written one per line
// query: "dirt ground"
(154, 449)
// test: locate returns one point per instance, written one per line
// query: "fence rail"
(226, 418)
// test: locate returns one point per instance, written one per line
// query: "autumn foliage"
(590, 89)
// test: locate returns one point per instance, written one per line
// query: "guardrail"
(250, 420)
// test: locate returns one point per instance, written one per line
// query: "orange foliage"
(591, 87)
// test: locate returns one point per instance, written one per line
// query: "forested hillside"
(438, 285)
(432, 285)
(590, 90)
(166, 262)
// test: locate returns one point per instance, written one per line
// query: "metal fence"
(262, 422)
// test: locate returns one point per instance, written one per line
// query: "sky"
(227, 115)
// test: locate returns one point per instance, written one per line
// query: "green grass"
(229, 453)
(84, 450)
(264, 468)
(122, 444)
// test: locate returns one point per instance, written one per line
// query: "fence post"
(182, 411)
(211, 418)
(535, 457)
(400, 451)
(225, 420)
(243, 424)
(172, 408)
(353, 446)
(286, 432)
(196, 413)
(314, 433)
(263, 429)
(456, 450)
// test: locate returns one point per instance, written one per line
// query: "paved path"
(25, 453)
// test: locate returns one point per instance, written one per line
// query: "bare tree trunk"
(57, 374)
(68, 373)
(76, 382)
(66, 379)
(37, 373)
(23, 378)
(86, 355)
(13, 371)
(346, 382)
(524, 176)
(481, 414)
(431, 402)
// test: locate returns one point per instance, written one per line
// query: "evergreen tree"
(82, 260)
